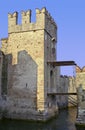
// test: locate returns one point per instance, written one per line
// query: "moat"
(64, 121)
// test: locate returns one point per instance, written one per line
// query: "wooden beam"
(61, 94)
(61, 63)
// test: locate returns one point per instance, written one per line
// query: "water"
(64, 121)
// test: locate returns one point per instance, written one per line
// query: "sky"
(69, 16)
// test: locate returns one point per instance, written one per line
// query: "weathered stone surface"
(80, 78)
(29, 47)
(66, 84)
(28, 77)
(80, 83)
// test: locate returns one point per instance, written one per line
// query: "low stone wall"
(24, 113)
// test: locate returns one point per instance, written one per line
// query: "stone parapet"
(44, 21)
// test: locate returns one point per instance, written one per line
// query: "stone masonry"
(29, 78)
(66, 84)
(80, 83)
(80, 77)
(26, 78)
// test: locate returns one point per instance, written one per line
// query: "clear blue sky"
(69, 16)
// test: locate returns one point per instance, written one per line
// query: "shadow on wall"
(67, 85)
(21, 78)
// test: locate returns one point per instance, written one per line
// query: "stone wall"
(22, 81)
(80, 76)
(3, 82)
(63, 88)
(3, 74)
(70, 84)
(50, 71)
(80, 83)
(1, 62)
(28, 48)
(66, 85)
(80, 118)
(72, 99)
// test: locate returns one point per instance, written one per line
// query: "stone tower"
(29, 47)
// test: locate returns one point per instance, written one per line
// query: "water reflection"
(64, 121)
(80, 128)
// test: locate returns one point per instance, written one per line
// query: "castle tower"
(29, 47)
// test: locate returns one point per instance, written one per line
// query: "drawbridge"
(70, 95)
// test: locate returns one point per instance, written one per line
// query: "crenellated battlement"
(26, 17)
(12, 19)
(49, 17)
(15, 14)
(79, 69)
(66, 76)
(43, 21)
